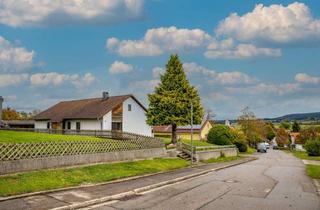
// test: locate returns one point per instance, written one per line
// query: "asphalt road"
(275, 181)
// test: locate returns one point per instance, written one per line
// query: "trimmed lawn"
(197, 143)
(304, 155)
(249, 151)
(222, 159)
(24, 137)
(53, 179)
(167, 141)
(313, 171)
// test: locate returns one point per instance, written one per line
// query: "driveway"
(275, 181)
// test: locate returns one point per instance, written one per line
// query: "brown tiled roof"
(162, 129)
(83, 109)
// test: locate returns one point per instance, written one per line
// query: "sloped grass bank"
(60, 178)
(25, 137)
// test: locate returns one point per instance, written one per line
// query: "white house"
(121, 113)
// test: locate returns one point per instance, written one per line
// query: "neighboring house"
(120, 113)
(297, 145)
(19, 123)
(200, 131)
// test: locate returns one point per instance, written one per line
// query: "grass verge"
(304, 155)
(222, 159)
(313, 171)
(60, 178)
(249, 151)
(24, 137)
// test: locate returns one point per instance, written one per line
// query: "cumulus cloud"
(55, 79)
(227, 49)
(263, 88)
(275, 23)
(43, 12)
(305, 78)
(191, 68)
(14, 58)
(159, 40)
(144, 84)
(224, 78)
(119, 67)
(12, 79)
(157, 71)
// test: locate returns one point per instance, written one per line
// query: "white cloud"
(144, 84)
(216, 96)
(81, 82)
(275, 23)
(12, 79)
(190, 68)
(262, 88)
(14, 58)
(119, 67)
(10, 98)
(227, 49)
(234, 77)
(224, 78)
(55, 79)
(159, 40)
(43, 12)
(157, 71)
(305, 78)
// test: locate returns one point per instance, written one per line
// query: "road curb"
(146, 188)
(317, 184)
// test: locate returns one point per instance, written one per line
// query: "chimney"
(1, 101)
(105, 95)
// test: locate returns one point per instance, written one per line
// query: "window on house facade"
(48, 125)
(69, 125)
(78, 127)
(129, 107)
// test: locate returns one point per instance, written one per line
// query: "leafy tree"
(285, 124)
(253, 128)
(270, 130)
(170, 104)
(220, 135)
(10, 114)
(308, 133)
(296, 127)
(282, 137)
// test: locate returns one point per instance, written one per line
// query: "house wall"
(40, 124)
(85, 124)
(195, 136)
(107, 119)
(205, 130)
(134, 121)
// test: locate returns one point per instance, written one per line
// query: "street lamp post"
(191, 120)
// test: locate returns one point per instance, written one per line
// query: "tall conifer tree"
(170, 104)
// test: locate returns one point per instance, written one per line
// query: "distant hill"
(315, 116)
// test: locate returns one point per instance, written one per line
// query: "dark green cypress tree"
(170, 104)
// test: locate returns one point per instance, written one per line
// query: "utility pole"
(191, 133)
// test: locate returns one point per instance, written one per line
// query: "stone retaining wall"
(208, 154)
(14, 166)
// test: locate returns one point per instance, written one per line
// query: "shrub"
(313, 147)
(241, 145)
(220, 135)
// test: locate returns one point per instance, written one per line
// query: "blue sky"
(261, 54)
